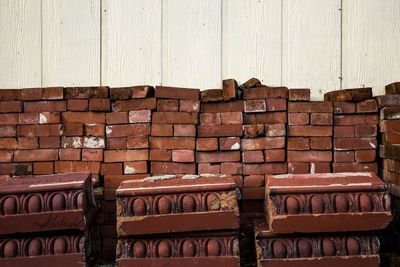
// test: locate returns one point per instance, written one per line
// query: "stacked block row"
(309, 148)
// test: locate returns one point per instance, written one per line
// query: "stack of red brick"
(309, 148)
(355, 133)
(173, 131)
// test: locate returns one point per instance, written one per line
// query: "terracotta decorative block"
(313, 203)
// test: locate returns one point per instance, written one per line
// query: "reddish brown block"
(264, 168)
(139, 116)
(111, 168)
(365, 130)
(252, 131)
(206, 144)
(92, 155)
(229, 143)
(343, 131)
(356, 120)
(219, 130)
(39, 130)
(254, 181)
(125, 155)
(160, 155)
(274, 130)
(177, 93)
(137, 142)
(298, 143)
(28, 143)
(137, 167)
(10, 94)
(162, 130)
(49, 142)
(9, 119)
(365, 155)
(344, 107)
(211, 95)
(298, 167)
(167, 105)
(310, 107)
(309, 156)
(357, 94)
(257, 105)
(185, 130)
(94, 129)
(6, 155)
(251, 83)
(28, 118)
(175, 117)
(43, 167)
(183, 155)
(189, 105)
(86, 92)
(321, 119)
(69, 154)
(217, 156)
(8, 143)
(31, 94)
(208, 168)
(229, 89)
(134, 104)
(343, 156)
(367, 106)
(40, 106)
(263, 143)
(393, 88)
(252, 156)
(128, 130)
(388, 100)
(231, 118)
(99, 104)
(298, 118)
(265, 118)
(299, 94)
(172, 143)
(265, 92)
(321, 143)
(72, 129)
(51, 93)
(389, 126)
(275, 155)
(231, 106)
(309, 131)
(355, 167)
(35, 155)
(354, 143)
(276, 104)
(116, 143)
(10, 106)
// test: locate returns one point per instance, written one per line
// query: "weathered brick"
(252, 156)
(52, 93)
(321, 119)
(93, 142)
(365, 130)
(355, 167)
(92, 154)
(391, 138)
(138, 167)
(8, 143)
(309, 131)
(49, 142)
(393, 88)
(94, 129)
(127, 130)
(78, 104)
(9, 119)
(28, 118)
(139, 116)
(367, 106)
(309, 156)
(257, 105)
(77, 166)
(69, 154)
(365, 155)
(254, 181)
(251, 83)
(183, 155)
(276, 104)
(31, 94)
(8, 131)
(298, 167)
(120, 93)
(116, 143)
(136, 142)
(356, 94)
(265, 92)
(232, 168)
(83, 117)
(231, 118)
(252, 131)
(126, 155)
(273, 130)
(321, 143)
(263, 143)
(354, 143)
(111, 168)
(209, 168)
(162, 130)
(10, 106)
(72, 129)
(206, 144)
(99, 104)
(142, 91)
(86, 92)
(298, 118)
(229, 89)
(211, 95)
(172, 143)
(229, 143)
(265, 118)
(265, 168)
(310, 107)
(299, 94)
(275, 155)
(134, 104)
(41, 106)
(10, 94)
(189, 105)
(6, 155)
(344, 131)
(35, 155)
(167, 105)
(229, 106)
(217, 156)
(28, 143)
(117, 117)
(344, 107)
(72, 142)
(296, 143)
(160, 155)
(219, 130)
(185, 130)
(39, 130)
(173, 168)
(343, 156)
(210, 118)
(389, 126)
(358, 119)
(49, 117)
(177, 93)
(388, 100)
(390, 113)
(175, 117)
(43, 168)
(320, 167)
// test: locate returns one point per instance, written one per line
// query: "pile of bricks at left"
(171, 220)
(47, 220)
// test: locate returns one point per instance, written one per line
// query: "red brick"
(393, 88)
(251, 83)
(39, 130)
(172, 168)
(8, 131)
(36, 155)
(6, 169)
(344, 107)
(135, 142)
(142, 91)
(43, 168)
(10, 106)
(354, 143)
(83, 117)
(355, 167)
(206, 144)
(94, 129)
(265, 118)
(321, 119)
(299, 94)
(254, 181)
(366, 130)
(138, 167)
(320, 167)
(9, 119)
(10, 94)
(390, 113)
(210, 118)
(211, 95)
(117, 118)
(128, 130)
(6, 156)
(52, 93)
(367, 106)
(183, 155)
(189, 105)
(49, 142)
(310, 107)
(139, 116)
(116, 143)
(160, 155)
(217, 156)
(356, 94)
(69, 154)
(175, 117)
(356, 119)
(252, 156)
(209, 168)
(229, 143)
(185, 130)
(265, 92)
(298, 118)
(28, 143)
(296, 143)
(257, 105)
(231, 118)
(167, 105)
(93, 142)
(310, 131)
(28, 118)
(389, 125)
(78, 105)
(8, 143)
(365, 155)
(219, 130)
(388, 100)
(252, 131)
(265, 168)
(298, 167)
(161, 130)
(72, 142)
(49, 117)
(172, 143)
(229, 88)
(391, 138)
(92, 154)
(120, 93)
(275, 155)
(31, 94)
(276, 104)
(86, 92)
(309, 156)
(99, 104)
(40, 106)
(77, 166)
(263, 143)
(134, 104)
(343, 131)
(229, 106)
(125, 155)
(231, 168)
(321, 143)
(72, 129)
(273, 130)
(177, 93)
(111, 168)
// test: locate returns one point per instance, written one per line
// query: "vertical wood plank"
(71, 42)
(191, 44)
(371, 43)
(311, 45)
(20, 41)
(131, 42)
(251, 43)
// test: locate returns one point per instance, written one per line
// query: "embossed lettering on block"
(327, 203)
(164, 204)
(46, 203)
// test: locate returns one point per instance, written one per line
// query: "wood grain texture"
(371, 43)
(131, 42)
(191, 44)
(20, 52)
(311, 45)
(251, 40)
(71, 42)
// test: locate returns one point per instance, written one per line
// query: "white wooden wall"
(323, 45)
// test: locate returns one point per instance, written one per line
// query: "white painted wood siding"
(197, 43)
